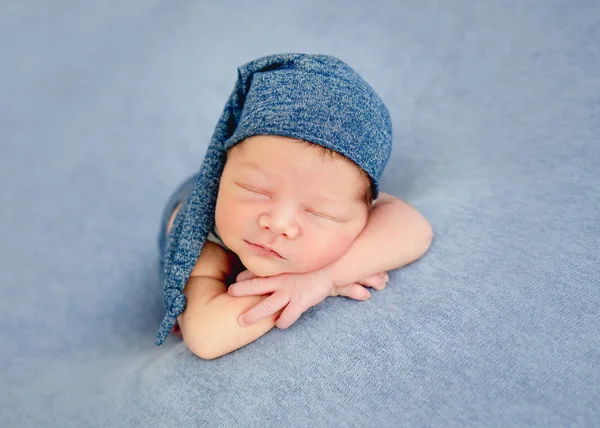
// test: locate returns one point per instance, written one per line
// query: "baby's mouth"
(263, 250)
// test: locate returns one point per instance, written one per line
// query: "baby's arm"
(396, 235)
(209, 323)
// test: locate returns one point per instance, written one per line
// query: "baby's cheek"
(329, 250)
(225, 219)
(339, 245)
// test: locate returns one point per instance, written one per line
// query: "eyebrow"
(253, 166)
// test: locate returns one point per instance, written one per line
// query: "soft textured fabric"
(314, 98)
(106, 106)
(179, 195)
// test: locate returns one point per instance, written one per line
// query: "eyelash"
(316, 214)
(326, 217)
(254, 190)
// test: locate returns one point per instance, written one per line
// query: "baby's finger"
(354, 291)
(377, 281)
(245, 275)
(289, 316)
(253, 287)
(267, 307)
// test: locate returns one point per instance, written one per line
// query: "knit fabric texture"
(315, 98)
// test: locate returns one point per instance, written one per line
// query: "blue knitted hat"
(316, 98)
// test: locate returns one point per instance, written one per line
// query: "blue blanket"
(106, 106)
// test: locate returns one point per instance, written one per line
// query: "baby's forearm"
(395, 235)
(209, 326)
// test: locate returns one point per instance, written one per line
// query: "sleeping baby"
(286, 209)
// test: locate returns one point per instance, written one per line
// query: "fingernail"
(386, 277)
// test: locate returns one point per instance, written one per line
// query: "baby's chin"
(262, 268)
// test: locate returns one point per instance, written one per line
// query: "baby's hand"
(358, 291)
(297, 293)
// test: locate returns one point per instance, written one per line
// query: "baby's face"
(285, 195)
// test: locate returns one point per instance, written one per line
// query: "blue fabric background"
(105, 107)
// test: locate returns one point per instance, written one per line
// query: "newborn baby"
(292, 211)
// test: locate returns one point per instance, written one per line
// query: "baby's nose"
(282, 222)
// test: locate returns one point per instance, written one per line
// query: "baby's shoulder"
(212, 262)
(217, 262)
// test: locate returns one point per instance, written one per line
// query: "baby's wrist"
(330, 274)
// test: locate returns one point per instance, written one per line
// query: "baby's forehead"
(260, 147)
(290, 156)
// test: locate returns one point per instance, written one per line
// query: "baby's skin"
(299, 227)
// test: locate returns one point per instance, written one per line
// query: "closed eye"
(321, 215)
(253, 190)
